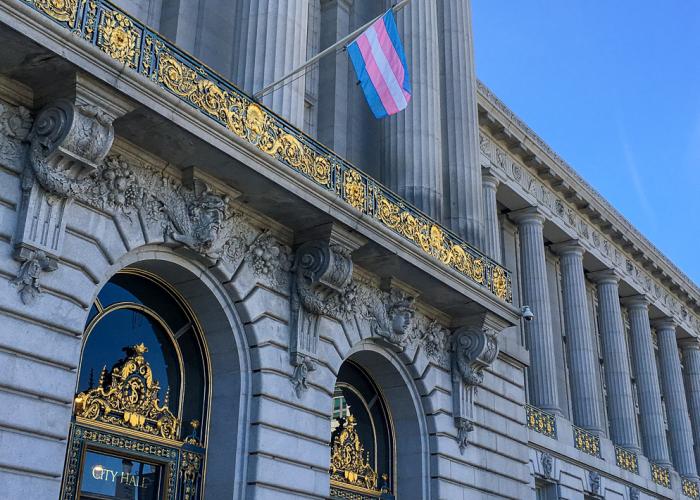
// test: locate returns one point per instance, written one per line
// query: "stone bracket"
(321, 272)
(69, 138)
(474, 347)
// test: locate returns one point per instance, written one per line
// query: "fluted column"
(680, 433)
(463, 209)
(581, 352)
(651, 413)
(411, 150)
(621, 411)
(492, 231)
(542, 373)
(270, 42)
(691, 365)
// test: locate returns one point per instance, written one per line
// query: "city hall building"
(209, 296)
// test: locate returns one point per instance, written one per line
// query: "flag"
(380, 66)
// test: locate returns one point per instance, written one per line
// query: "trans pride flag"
(380, 66)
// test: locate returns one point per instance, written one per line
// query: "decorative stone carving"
(547, 465)
(320, 286)
(474, 348)
(435, 339)
(391, 318)
(594, 482)
(27, 280)
(15, 124)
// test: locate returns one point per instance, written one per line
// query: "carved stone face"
(401, 321)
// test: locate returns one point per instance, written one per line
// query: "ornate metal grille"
(586, 442)
(626, 459)
(541, 421)
(661, 475)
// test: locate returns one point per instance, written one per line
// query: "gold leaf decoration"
(130, 399)
(354, 190)
(119, 38)
(60, 10)
(349, 462)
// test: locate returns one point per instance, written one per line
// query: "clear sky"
(613, 86)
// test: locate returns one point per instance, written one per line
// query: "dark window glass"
(127, 327)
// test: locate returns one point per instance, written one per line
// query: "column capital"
(664, 324)
(606, 276)
(529, 215)
(636, 302)
(690, 344)
(568, 247)
(489, 178)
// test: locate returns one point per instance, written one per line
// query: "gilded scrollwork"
(128, 397)
(354, 189)
(350, 464)
(119, 38)
(60, 10)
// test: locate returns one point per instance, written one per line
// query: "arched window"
(140, 410)
(362, 440)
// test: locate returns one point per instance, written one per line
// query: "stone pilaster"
(644, 363)
(680, 433)
(621, 412)
(691, 365)
(542, 374)
(271, 42)
(463, 208)
(492, 231)
(581, 351)
(411, 139)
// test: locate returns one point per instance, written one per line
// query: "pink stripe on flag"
(391, 55)
(376, 76)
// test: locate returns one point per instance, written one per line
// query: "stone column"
(680, 433)
(621, 411)
(492, 231)
(463, 208)
(644, 363)
(691, 365)
(411, 139)
(542, 374)
(271, 42)
(585, 394)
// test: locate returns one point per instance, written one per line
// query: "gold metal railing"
(145, 52)
(626, 459)
(661, 475)
(541, 421)
(586, 442)
(690, 488)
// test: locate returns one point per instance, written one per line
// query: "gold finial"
(140, 349)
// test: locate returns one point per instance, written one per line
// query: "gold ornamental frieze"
(139, 48)
(130, 399)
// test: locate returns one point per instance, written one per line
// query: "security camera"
(526, 313)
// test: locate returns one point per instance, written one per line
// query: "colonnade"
(675, 374)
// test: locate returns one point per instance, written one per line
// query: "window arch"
(140, 411)
(362, 439)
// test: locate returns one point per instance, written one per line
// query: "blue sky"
(614, 88)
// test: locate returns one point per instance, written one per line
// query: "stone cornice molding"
(523, 142)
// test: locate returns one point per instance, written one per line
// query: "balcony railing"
(541, 421)
(144, 51)
(661, 475)
(626, 459)
(690, 488)
(586, 442)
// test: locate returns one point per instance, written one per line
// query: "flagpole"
(343, 41)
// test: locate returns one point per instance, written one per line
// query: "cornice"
(555, 173)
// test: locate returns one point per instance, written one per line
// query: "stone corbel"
(320, 286)
(474, 347)
(69, 138)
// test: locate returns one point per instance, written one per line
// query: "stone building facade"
(293, 325)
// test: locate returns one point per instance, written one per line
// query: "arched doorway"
(363, 450)
(140, 413)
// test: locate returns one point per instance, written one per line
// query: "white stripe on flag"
(384, 67)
